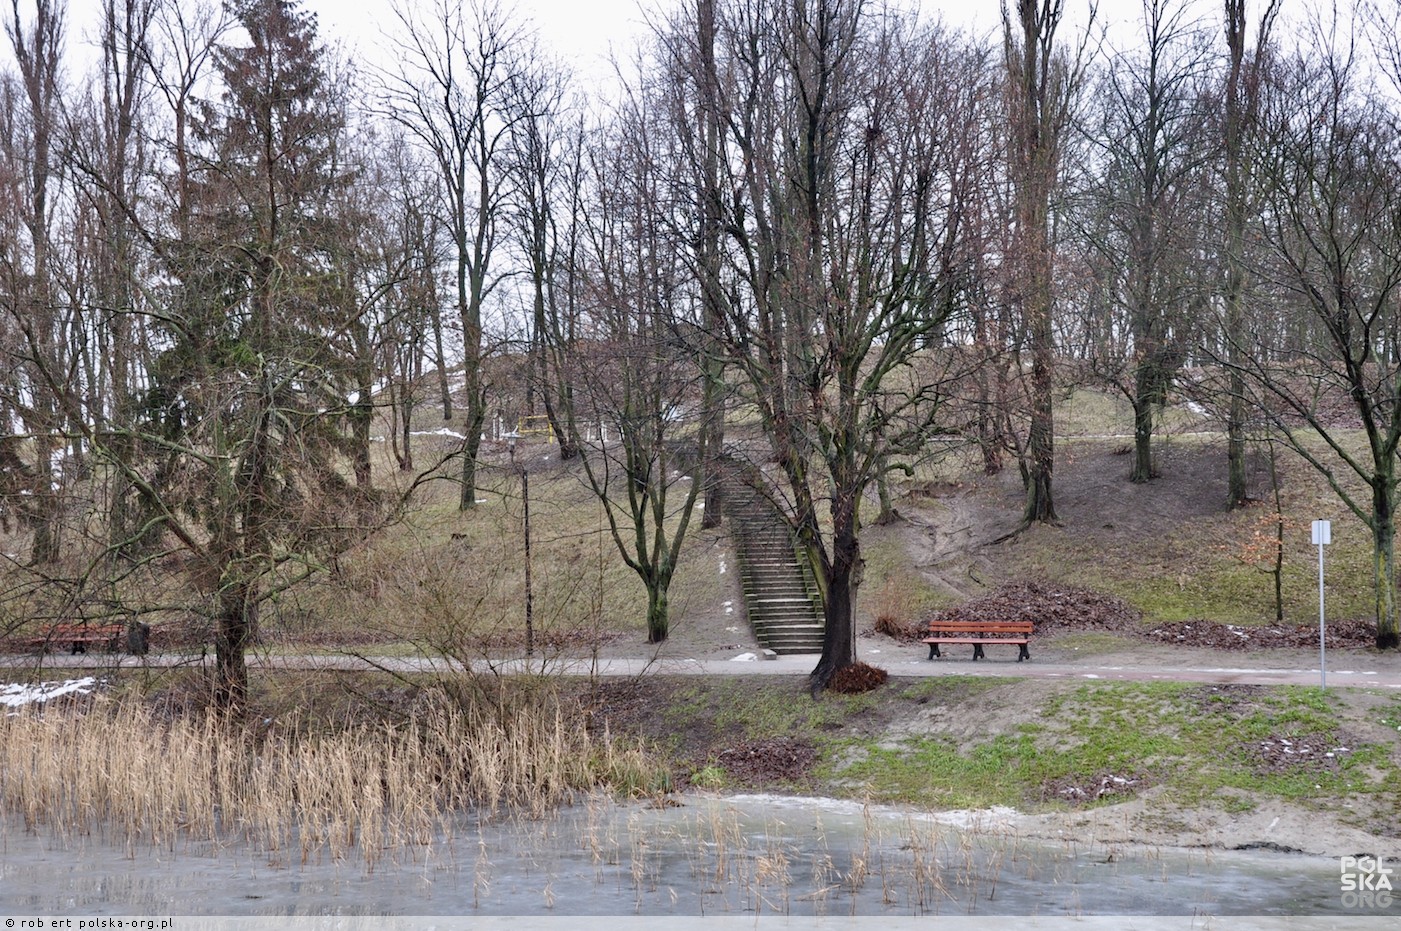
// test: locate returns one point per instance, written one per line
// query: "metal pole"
(1322, 667)
(529, 594)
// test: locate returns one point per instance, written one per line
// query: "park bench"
(979, 633)
(78, 637)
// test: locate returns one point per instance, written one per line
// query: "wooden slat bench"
(979, 633)
(78, 637)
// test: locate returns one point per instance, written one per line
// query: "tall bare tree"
(1331, 169)
(453, 94)
(1245, 65)
(691, 43)
(1042, 84)
(1147, 200)
(632, 374)
(37, 45)
(546, 147)
(836, 211)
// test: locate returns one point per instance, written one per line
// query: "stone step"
(794, 629)
(786, 593)
(795, 645)
(801, 644)
(768, 622)
(783, 619)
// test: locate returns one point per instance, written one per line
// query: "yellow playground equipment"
(536, 425)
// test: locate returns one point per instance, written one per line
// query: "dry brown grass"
(118, 769)
(895, 609)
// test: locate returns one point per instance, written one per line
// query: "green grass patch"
(1196, 744)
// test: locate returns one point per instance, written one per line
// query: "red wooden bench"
(79, 636)
(979, 633)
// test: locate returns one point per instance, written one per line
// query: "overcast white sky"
(584, 31)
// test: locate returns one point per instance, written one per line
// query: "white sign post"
(1322, 536)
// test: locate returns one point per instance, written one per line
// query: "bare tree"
(1244, 74)
(1042, 84)
(408, 327)
(835, 214)
(37, 45)
(453, 94)
(1147, 206)
(1331, 166)
(632, 373)
(690, 42)
(546, 146)
(111, 160)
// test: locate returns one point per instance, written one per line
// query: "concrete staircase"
(780, 593)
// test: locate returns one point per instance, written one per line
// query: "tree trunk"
(362, 414)
(713, 442)
(236, 627)
(441, 360)
(1040, 506)
(1143, 470)
(843, 576)
(476, 417)
(1384, 558)
(1278, 569)
(405, 419)
(886, 515)
(658, 621)
(1237, 494)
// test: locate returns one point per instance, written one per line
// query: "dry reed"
(118, 770)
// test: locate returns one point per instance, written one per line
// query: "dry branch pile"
(1199, 633)
(1050, 607)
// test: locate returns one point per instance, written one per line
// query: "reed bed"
(120, 771)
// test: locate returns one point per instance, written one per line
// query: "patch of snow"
(1196, 408)
(977, 819)
(1089, 675)
(15, 695)
(441, 431)
(744, 658)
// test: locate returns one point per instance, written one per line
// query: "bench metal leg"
(1024, 653)
(977, 651)
(933, 650)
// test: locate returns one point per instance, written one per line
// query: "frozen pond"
(746, 856)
